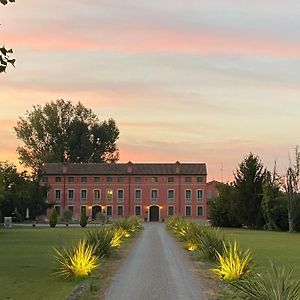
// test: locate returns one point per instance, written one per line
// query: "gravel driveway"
(156, 269)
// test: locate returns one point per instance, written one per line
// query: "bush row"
(235, 266)
(86, 255)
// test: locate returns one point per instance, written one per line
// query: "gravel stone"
(156, 269)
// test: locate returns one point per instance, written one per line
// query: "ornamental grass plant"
(128, 225)
(80, 261)
(210, 243)
(233, 263)
(102, 240)
(278, 284)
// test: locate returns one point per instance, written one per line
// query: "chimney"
(129, 167)
(65, 168)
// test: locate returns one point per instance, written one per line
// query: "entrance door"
(154, 213)
(95, 209)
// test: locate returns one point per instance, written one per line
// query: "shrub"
(68, 216)
(102, 240)
(100, 217)
(233, 264)
(278, 285)
(53, 218)
(78, 262)
(83, 218)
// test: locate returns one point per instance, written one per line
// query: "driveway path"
(156, 269)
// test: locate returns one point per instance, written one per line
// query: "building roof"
(124, 168)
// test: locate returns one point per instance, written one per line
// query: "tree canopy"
(19, 192)
(249, 179)
(4, 2)
(62, 132)
(5, 53)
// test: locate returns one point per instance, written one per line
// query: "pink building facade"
(151, 191)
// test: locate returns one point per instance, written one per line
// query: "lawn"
(27, 263)
(281, 247)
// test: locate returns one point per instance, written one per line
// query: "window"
(82, 209)
(138, 195)
(188, 179)
(57, 208)
(200, 179)
(188, 195)
(120, 179)
(170, 210)
(120, 195)
(188, 211)
(109, 194)
(171, 195)
(154, 194)
(109, 210)
(200, 211)
(96, 196)
(170, 179)
(57, 194)
(71, 179)
(199, 195)
(57, 179)
(83, 195)
(154, 179)
(109, 179)
(120, 210)
(96, 179)
(138, 179)
(137, 211)
(71, 208)
(83, 179)
(71, 195)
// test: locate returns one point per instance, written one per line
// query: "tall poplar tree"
(249, 180)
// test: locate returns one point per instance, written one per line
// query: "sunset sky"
(194, 80)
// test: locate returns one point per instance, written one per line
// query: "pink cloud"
(146, 40)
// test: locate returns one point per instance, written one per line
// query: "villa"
(152, 191)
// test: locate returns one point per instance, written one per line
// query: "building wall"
(129, 185)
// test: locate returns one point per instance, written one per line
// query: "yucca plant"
(192, 236)
(129, 225)
(101, 240)
(277, 285)
(77, 262)
(117, 238)
(233, 263)
(210, 243)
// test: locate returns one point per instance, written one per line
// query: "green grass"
(281, 247)
(27, 263)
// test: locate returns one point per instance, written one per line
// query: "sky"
(194, 81)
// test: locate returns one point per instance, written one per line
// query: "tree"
(68, 214)
(223, 209)
(18, 192)
(292, 189)
(5, 53)
(83, 218)
(4, 2)
(274, 206)
(53, 218)
(249, 179)
(62, 132)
